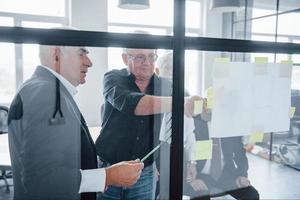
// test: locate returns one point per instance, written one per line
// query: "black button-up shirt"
(124, 135)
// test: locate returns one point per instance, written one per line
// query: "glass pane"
(296, 78)
(193, 14)
(261, 10)
(156, 15)
(140, 131)
(135, 71)
(34, 7)
(227, 153)
(40, 24)
(6, 21)
(132, 29)
(156, 20)
(30, 59)
(264, 25)
(115, 61)
(288, 5)
(8, 73)
(296, 58)
(287, 24)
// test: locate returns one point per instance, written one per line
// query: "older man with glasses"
(135, 98)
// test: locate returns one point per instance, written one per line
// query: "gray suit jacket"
(45, 158)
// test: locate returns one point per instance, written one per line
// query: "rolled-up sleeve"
(119, 96)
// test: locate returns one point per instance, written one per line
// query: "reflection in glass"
(240, 162)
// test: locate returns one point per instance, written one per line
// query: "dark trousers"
(247, 193)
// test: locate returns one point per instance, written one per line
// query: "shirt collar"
(71, 88)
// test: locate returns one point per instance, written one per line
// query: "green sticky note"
(261, 60)
(210, 98)
(292, 112)
(198, 105)
(222, 60)
(203, 150)
(256, 137)
(289, 62)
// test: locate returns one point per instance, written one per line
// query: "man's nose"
(88, 62)
(147, 61)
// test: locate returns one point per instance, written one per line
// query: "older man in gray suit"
(52, 153)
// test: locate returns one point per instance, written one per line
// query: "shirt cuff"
(92, 180)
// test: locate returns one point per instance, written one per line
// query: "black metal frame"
(179, 43)
(106, 39)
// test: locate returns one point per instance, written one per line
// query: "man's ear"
(156, 70)
(56, 56)
(125, 59)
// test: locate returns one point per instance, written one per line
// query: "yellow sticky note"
(256, 137)
(290, 62)
(292, 112)
(210, 98)
(198, 105)
(222, 60)
(261, 60)
(203, 150)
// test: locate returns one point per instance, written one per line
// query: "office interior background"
(274, 162)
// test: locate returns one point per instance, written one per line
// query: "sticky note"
(198, 105)
(210, 98)
(286, 69)
(292, 112)
(256, 137)
(261, 67)
(261, 60)
(222, 60)
(288, 62)
(203, 150)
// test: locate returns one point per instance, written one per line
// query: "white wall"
(91, 15)
(212, 27)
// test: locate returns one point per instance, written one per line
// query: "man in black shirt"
(134, 100)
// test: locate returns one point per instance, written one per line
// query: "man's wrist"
(108, 177)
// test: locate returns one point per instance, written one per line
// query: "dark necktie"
(216, 161)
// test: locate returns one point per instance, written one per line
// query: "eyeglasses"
(141, 58)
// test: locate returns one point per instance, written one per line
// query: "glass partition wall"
(203, 73)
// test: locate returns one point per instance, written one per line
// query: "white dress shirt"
(92, 180)
(189, 136)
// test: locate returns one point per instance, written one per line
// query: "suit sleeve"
(118, 95)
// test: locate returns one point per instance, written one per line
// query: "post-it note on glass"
(210, 98)
(203, 150)
(198, 105)
(287, 62)
(292, 112)
(261, 60)
(222, 60)
(256, 137)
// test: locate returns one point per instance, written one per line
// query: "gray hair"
(44, 50)
(165, 61)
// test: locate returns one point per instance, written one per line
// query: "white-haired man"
(135, 98)
(52, 153)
